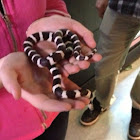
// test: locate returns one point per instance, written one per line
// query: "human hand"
(34, 84)
(101, 6)
(53, 23)
(56, 22)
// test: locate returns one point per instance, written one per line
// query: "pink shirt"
(19, 120)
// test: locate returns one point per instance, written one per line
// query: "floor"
(113, 124)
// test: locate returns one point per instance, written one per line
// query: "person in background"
(120, 24)
(28, 109)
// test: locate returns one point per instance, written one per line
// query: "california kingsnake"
(67, 44)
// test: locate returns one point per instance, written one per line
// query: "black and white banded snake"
(67, 44)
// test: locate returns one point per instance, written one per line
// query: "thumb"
(10, 82)
(85, 34)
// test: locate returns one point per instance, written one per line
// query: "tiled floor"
(113, 124)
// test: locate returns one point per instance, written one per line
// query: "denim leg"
(135, 92)
(116, 34)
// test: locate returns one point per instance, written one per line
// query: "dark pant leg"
(58, 128)
(135, 92)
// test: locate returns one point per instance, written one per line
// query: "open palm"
(22, 78)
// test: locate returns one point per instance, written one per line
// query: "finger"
(68, 68)
(83, 64)
(51, 105)
(79, 64)
(96, 57)
(74, 66)
(76, 104)
(63, 71)
(83, 32)
(71, 69)
(43, 102)
(85, 100)
(10, 82)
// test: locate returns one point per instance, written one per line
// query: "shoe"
(134, 126)
(90, 116)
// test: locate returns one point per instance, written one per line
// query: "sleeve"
(56, 7)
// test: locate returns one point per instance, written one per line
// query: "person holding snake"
(31, 111)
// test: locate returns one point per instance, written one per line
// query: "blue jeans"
(116, 34)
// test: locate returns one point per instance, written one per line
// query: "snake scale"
(67, 44)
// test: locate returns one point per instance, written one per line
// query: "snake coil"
(67, 44)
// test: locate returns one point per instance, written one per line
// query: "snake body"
(68, 45)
